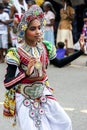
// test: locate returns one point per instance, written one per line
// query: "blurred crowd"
(65, 24)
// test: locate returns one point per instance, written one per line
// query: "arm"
(10, 78)
(6, 19)
(63, 14)
(71, 13)
(62, 62)
(6, 22)
(13, 11)
(52, 21)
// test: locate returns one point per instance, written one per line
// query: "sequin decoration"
(38, 123)
(32, 113)
(27, 102)
(36, 109)
(36, 104)
(41, 111)
(43, 99)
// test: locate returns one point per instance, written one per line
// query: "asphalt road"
(70, 85)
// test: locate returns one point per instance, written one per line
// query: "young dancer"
(29, 95)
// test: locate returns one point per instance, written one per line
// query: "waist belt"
(33, 91)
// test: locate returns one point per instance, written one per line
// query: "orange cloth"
(66, 18)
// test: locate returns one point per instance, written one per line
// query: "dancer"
(29, 95)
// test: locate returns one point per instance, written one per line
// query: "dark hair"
(60, 44)
(30, 1)
(68, 2)
(85, 13)
(50, 6)
(1, 6)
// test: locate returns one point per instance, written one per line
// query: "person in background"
(83, 35)
(65, 25)
(30, 3)
(29, 95)
(7, 9)
(4, 21)
(7, 6)
(61, 49)
(50, 20)
(17, 10)
(19, 6)
(84, 29)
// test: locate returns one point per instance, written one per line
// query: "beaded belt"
(33, 91)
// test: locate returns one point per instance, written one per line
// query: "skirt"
(51, 114)
(49, 36)
(4, 41)
(62, 35)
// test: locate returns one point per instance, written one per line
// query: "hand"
(15, 21)
(82, 46)
(81, 39)
(81, 42)
(66, 43)
(30, 66)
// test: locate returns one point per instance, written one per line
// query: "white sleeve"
(52, 15)
(7, 16)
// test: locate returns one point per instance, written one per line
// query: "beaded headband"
(34, 12)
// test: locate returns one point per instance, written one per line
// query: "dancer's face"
(33, 32)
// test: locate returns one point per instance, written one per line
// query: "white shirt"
(48, 16)
(4, 28)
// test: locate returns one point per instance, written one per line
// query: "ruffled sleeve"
(12, 57)
(13, 77)
(50, 49)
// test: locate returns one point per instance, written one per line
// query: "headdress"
(34, 12)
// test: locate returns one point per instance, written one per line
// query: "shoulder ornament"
(12, 56)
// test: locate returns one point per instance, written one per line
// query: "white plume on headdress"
(18, 7)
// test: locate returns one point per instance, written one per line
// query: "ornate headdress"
(34, 12)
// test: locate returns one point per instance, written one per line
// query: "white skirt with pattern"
(54, 117)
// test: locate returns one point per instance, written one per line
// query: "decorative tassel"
(14, 123)
(9, 103)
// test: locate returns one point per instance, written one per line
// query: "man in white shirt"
(4, 21)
